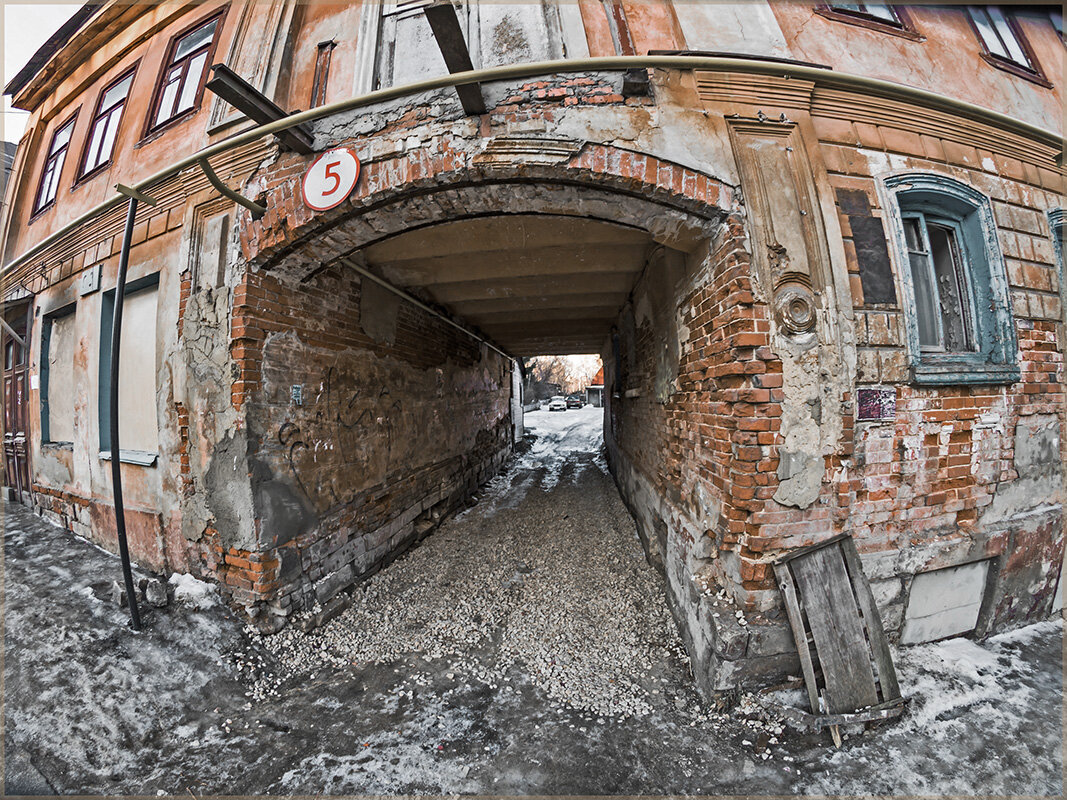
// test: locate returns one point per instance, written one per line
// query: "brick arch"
(675, 204)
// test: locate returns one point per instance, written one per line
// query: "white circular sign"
(330, 179)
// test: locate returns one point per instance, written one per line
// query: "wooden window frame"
(1034, 73)
(83, 173)
(151, 126)
(905, 29)
(320, 83)
(38, 208)
(941, 198)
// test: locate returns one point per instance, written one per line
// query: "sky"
(26, 27)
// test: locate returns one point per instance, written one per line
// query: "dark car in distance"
(575, 401)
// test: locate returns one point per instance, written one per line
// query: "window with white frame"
(957, 308)
(105, 126)
(53, 166)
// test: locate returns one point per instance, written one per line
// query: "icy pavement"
(522, 648)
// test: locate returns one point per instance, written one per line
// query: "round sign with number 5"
(330, 179)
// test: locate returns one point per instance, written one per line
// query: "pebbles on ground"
(554, 583)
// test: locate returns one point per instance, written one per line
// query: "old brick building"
(818, 253)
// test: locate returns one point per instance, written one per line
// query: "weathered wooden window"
(877, 12)
(53, 166)
(181, 84)
(956, 303)
(105, 126)
(395, 44)
(1003, 43)
(322, 72)
(408, 51)
(943, 300)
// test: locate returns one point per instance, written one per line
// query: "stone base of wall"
(314, 576)
(731, 649)
(726, 654)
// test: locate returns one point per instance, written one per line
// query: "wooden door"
(16, 433)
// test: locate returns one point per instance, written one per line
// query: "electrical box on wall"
(90, 280)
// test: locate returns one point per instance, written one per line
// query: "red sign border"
(359, 170)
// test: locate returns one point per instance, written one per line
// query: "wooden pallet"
(843, 650)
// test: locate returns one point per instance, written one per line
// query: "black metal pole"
(116, 462)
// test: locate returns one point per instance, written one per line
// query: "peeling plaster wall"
(373, 421)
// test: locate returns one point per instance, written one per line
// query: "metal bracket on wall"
(449, 35)
(256, 209)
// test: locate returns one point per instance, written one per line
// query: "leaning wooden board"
(847, 665)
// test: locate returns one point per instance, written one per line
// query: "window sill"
(58, 445)
(959, 372)
(1015, 69)
(139, 457)
(902, 30)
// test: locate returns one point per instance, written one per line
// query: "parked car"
(575, 401)
(557, 403)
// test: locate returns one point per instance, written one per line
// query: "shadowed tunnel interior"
(533, 284)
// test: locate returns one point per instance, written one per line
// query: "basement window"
(959, 322)
(105, 127)
(138, 426)
(182, 81)
(58, 339)
(53, 166)
(1003, 43)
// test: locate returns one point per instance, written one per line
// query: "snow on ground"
(523, 648)
(554, 580)
(983, 718)
(192, 592)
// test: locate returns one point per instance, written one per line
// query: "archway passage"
(534, 284)
(373, 419)
(540, 580)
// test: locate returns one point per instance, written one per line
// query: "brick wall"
(961, 474)
(388, 435)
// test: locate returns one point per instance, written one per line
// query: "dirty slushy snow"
(524, 648)
(555, 584)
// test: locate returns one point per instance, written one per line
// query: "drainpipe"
(116, 340)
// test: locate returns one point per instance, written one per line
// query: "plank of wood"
(800, 634)
(826, 592)
(872, 621)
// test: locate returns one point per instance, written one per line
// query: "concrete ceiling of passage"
(533, 283)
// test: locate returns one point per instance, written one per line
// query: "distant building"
(594, 392)
(7, 159)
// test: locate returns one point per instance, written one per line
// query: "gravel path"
(523, 648)
(553, 583)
